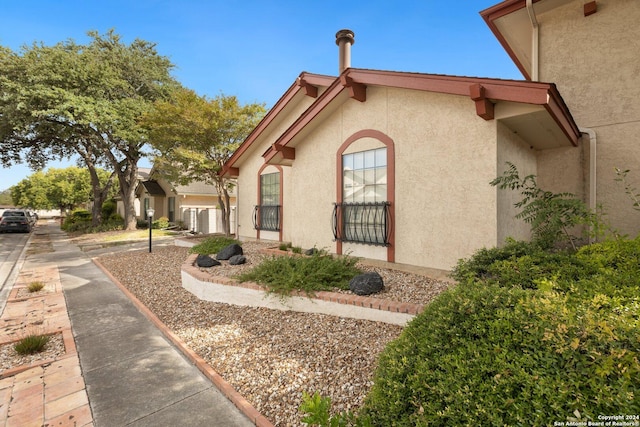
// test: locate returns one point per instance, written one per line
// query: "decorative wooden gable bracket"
(287, 153)
(357, 91)
(484, 107)
(309, 89)
(233, 172)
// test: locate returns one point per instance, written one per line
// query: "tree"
(72, 99)
(63, 189)
(194, 136)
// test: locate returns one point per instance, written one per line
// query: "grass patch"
(137, 234)
(213, 245)
(35, 286)
(31, 344)
(320, 272)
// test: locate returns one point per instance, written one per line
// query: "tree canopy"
(55, 188)
(67, 99)
(194, 136)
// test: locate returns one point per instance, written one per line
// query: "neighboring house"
(194, 206)
(396, 166)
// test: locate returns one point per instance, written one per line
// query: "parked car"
(14, 220)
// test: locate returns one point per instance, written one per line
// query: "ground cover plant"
(31, 344)
(318, 272)
(213, 245)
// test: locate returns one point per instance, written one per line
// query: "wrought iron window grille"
(368, 223)
(267, 217)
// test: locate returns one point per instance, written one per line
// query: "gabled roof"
(195, 188)
(547, 124)
(153, 188)
(511, 24)
(307, 84)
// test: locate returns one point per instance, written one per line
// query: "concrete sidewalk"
(125, 369)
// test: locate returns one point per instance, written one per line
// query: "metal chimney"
(344, 39)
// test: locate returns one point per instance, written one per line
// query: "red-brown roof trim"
(303, 82)
(536, 93)
(498, 11)
(484, 92)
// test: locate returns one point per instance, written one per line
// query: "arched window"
(363, 212)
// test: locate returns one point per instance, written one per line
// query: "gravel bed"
(269, 356)
(10, 358)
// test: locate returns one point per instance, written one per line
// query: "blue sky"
(255, 49)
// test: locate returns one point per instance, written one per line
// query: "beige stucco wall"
(594, 62)
(445, 158)
(512, 149)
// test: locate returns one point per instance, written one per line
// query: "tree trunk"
(99, 194)
(128, 179)
(223, 203)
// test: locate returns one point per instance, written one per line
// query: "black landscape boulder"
(229, 251)
(237, 260)
(366, 284)
(206, 261)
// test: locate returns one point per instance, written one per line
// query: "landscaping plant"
(35, 286)
(318, 272)
(493, 352)
(31, 344)
(551, 215)
(212, 245)
(527, 337)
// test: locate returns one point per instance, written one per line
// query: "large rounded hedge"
(563, 347)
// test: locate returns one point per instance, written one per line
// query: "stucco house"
(396, 166)
(194, 206)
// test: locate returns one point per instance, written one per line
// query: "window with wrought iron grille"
(363, 216)
(266, 216)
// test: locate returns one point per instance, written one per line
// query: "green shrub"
(31, 344)
(160, 223)
(489, 352)
(109, 209)
(552, 215)
(318, 272)
(317, 413)
(213, 245)
(77, 220)
(284, 246)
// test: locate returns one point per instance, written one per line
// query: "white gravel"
(269, 356)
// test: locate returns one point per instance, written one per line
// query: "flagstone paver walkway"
(48, 392)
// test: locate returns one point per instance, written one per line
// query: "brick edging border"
(230, 393)
(342, 298)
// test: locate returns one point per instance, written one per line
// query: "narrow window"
(267, 214)
(172, 209)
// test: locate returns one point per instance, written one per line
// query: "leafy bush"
(109, 208)
(31, 344)
(77, 220)
(317, 413)
(318, 272)
(160, 223)
(551, 215)
(213, 245)
(492, 352)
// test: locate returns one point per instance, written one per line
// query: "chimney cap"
(345, 34)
